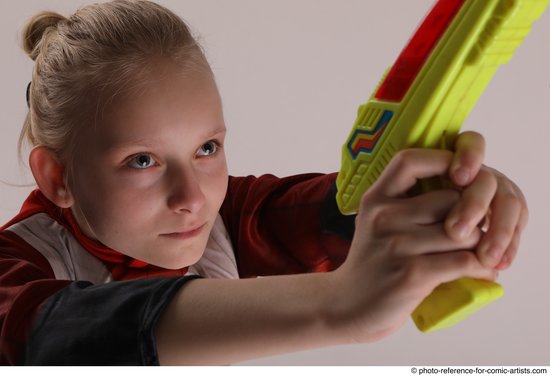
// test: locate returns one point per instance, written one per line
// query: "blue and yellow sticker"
(365, 141)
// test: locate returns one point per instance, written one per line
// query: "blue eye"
(211, 147)
(142, 161)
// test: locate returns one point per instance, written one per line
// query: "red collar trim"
(120, 265)
(97, 249)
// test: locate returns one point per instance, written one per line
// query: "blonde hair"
(83, 61)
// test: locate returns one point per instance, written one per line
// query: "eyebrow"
(217, 131)
(142, 142)
(146, 142)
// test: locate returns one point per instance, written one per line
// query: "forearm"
(214, 321)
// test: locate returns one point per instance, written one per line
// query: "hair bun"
(35, 29)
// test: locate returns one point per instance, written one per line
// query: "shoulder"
(303, 188)
(269, 180)
(42, 241)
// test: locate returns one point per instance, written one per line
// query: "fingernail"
(462, 176)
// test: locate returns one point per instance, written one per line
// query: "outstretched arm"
(400, 252)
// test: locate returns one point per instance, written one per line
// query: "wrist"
(338, 307)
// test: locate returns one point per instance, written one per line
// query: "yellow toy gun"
(422, 102)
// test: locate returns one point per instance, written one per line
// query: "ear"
(49, 174)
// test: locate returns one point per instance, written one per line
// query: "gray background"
(292, 74)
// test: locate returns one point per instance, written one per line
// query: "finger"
(450, 266)
(513, 248)
(468, 158)
(505, 218)
(432, 239)
(473, 206)
(510, 253)
(389, 216)
(432, 207)
(408, 166)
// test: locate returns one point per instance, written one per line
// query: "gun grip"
(452, 302)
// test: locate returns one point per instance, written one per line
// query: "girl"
(134, 203)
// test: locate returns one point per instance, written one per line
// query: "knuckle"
(394, 245)
(512, 249)
(473, 240)
(453, 195)
(500, 244)
(470, 158)
(471, 136)
(511, 200)
(471, 146)
(411, 273)
(506, 233)
(383, 218)
(488, 177)
(404, 158)
(466, 260)
(366, 202)
(473, 209)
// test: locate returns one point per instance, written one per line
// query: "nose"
(186, 194)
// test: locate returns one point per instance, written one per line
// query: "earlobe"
(49, 175)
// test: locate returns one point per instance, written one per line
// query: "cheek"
(103, 209)
(216, 185)
(118, 221)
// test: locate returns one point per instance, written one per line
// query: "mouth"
(186, 234)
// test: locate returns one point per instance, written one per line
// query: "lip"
(184, 235)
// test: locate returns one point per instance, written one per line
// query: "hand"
(401, 250)
(490, 200)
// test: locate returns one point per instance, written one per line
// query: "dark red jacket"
(66, 299)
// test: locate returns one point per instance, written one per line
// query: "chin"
(175, 263)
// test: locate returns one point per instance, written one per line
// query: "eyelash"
(216, 147)
(135, 159)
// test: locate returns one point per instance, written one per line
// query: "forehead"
(164, 97)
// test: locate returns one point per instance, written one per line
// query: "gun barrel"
(432, 87)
